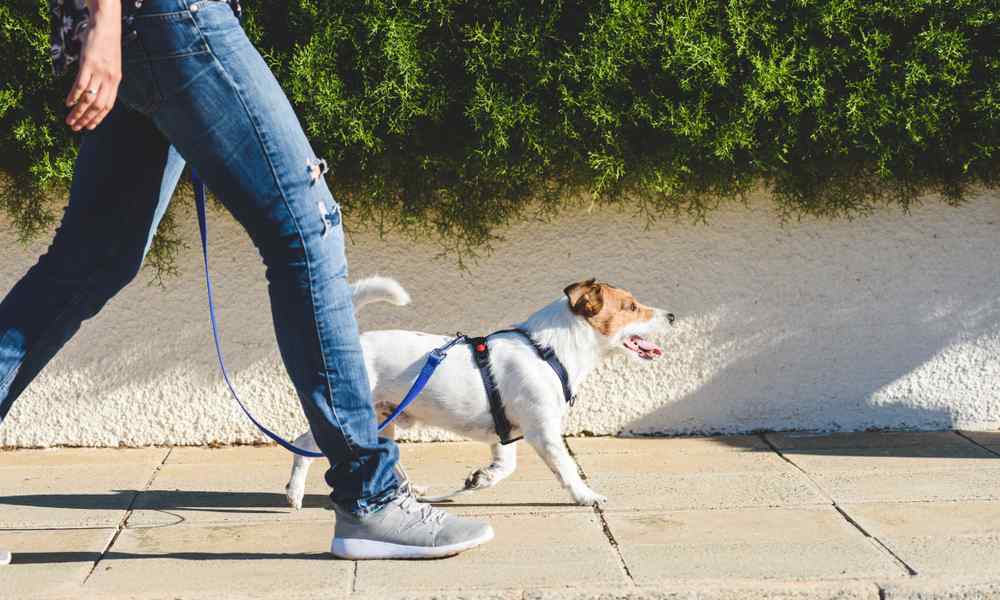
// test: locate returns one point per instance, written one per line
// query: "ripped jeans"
(195, 89)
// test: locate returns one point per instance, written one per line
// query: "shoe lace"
(427, 513)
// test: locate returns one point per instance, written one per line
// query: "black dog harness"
(481, 356)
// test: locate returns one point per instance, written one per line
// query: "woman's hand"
(96, 85)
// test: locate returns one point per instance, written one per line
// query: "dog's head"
(622, 321)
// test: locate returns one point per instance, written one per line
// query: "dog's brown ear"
(585, 298)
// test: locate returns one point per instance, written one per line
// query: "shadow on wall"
(901, 363)
(887, 322)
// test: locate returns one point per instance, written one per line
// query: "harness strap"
(547, 354)
(481, 355)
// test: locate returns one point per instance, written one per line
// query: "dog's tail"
(379, 289)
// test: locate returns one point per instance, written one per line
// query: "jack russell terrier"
(585, 326)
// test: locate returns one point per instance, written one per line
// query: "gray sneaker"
(406, 528)
(4, 557)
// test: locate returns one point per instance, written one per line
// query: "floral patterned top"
(68, 20)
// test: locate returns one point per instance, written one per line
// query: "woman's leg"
(221, 107)
(124, 176)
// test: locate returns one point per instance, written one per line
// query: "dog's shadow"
(175, 503)
(184, 500)
(212, 501)
(50, 558)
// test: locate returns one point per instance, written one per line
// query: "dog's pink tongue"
(650, 347)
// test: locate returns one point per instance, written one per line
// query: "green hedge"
(452, 118)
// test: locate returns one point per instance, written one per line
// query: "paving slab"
(675, 456)
(49, 562)
(721, 589)
(711, 490)
(812, 543)
(691, 473)
(213, 486)
(529, 551)
(710, 518)
(511, 594)
(442, 468)
(990, 439)
(937, 538)
(941, 589)
(894, 467)
(915, 485)
(250, 560)
(68, 457)
(513, 497)
(232, 455)
(449, 463)
(667, 446)
(439, 462)
(915, 458)
(864, 439)
(220, 492)
(87, 495)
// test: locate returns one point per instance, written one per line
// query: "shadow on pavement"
(210, 501)
(48, 558)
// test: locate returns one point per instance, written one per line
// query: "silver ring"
(91, 92)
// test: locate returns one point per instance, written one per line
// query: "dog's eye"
(633, 307)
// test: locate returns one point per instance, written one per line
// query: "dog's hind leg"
(548, 442)
(503, 465)
(296, 488)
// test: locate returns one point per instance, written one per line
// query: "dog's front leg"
(549, 445)
(296, 488)
(503, 465)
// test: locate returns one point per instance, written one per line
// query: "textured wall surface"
(888, 321)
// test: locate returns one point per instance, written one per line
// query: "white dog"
(583, 327)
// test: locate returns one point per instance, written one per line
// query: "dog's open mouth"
(643, 347)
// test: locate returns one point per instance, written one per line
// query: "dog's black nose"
(671, 318)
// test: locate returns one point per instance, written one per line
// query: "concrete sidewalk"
(870, 515)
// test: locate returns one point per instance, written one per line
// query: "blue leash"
(434, 358)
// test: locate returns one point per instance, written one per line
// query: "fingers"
(80, 98)
(99, 108)
(92, 98)
(79, 89)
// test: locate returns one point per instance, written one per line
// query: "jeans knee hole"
(317, 168)
(331, 218)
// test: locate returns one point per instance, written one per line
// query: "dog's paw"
(479, 479)
(589, 498)
(294, 497)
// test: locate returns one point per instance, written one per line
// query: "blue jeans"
(195, 89)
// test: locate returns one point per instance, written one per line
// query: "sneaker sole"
(361, 549)
(5, 557)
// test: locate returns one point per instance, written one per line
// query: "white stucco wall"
(888, 321)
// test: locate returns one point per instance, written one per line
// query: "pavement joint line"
(604, 521)
(962, 435)
(354, 579)
(874, 540)
(128, 513)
